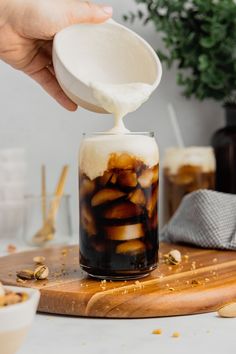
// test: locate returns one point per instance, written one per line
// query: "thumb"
(87, 12)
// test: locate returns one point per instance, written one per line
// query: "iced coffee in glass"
(186, 170)
(118, 191)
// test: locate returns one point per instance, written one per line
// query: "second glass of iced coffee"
(186, 170)
(119, 176)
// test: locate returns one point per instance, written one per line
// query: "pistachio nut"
(25, 274)
(39, 259)
(174, 257)
(228, 310)
(41, 272)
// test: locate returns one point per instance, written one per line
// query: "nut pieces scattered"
(176, 335)
(159, 331)
(11, 248)
(41, 271)
(173, 257)
(228, 310)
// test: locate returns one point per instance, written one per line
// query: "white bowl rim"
(34, 295)
(112, 22)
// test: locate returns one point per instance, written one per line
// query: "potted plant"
(200, 36)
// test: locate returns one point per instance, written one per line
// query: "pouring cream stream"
(120, 100)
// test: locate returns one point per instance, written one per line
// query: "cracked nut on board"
(41, 272)
(25, 274)
(174, 257)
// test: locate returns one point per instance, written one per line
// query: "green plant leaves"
(200, 35)
(203, 62)
(207, 42)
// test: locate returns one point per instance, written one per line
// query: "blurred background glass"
(33, 221)
(186, 170)
(12, 189)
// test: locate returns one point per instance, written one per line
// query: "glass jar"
(186, 170)
(118, 192)
(34, 221)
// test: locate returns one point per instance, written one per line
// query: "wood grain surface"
(204, 281)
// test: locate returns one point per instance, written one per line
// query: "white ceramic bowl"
(15, 320)
(78, 47)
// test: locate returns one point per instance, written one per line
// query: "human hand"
(26, 31)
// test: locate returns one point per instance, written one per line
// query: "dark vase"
(224, 144)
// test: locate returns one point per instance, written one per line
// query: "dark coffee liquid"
(188, 179)
(224, 143)
(118, 221)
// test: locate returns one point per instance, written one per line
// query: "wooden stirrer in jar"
(47, 232)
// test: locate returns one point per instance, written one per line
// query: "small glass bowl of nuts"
(17, 309)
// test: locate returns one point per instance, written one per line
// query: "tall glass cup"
(118, 191)
(186, 170)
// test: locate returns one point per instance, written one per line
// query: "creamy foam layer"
(95, 151)
(194, 156)
(121, 100)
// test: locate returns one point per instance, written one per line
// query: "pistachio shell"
(228, 310)
(174, 257)
(41, 272)
(39, 259)
(25, 274)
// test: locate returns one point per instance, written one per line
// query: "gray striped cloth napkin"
(204, 218)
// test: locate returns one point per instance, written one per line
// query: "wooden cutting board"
(204, 281)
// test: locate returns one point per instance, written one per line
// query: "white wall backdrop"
(31, 119)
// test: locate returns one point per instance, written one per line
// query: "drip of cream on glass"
(121, 99)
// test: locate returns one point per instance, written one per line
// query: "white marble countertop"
(199, 334)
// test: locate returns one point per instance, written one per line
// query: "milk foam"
(95, 151)
(194, 156)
